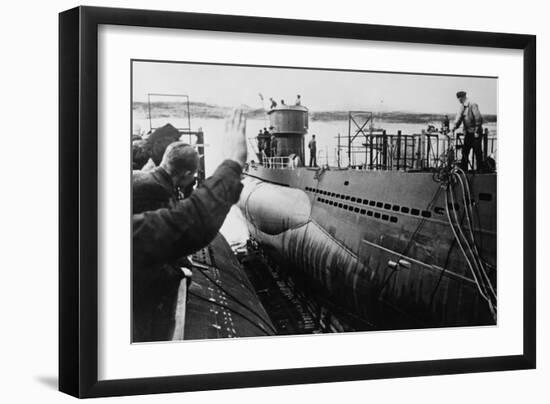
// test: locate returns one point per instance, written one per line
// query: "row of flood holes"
(377, 204)
(351, 208)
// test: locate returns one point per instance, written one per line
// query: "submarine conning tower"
(290, 124)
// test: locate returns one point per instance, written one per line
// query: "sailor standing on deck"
(446, 124)
(267, 143)
(260, 144)
(273, 145)
(312, 152)
(471, 120)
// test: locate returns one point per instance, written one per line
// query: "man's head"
(313, 136)
(299, 96)
(461, 95)
(181, 162)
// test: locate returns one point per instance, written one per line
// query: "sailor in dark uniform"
(260, 145)
(273, 144)
(164, 235)
(267, 142)
(155, 292)
(312, 145)
(446, 124)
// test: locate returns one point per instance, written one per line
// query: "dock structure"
(287, 309)
(221, 301)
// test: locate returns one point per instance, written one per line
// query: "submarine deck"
(221, 302)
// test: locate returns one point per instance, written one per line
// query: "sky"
(321, 90)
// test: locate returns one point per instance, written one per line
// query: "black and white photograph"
(275, 202)
(282, 200)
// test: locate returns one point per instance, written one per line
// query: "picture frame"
(78, 201)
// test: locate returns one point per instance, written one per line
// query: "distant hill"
(204, 111)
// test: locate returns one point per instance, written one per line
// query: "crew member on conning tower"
(260, 144)
(273, 145)
(267, 142)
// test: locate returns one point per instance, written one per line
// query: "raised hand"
(234, 139)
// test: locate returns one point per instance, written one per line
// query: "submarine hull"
(375, 246)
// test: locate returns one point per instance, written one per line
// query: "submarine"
(393, 235)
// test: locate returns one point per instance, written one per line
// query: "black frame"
(78, 177)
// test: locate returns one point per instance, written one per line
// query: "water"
(234, 228)
(326, 134)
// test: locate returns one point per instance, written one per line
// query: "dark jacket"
(162, 236)
(151, 190)
(154, 294)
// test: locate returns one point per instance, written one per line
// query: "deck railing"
(417, 152)
(409, 152)
(278, 162)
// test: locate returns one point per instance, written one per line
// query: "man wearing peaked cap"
(471, 120)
